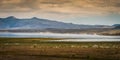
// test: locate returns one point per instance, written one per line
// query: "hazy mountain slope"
(36, 23)
(117, 26)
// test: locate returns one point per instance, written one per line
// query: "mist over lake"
(70, 37)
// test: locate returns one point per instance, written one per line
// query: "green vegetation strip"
(37, 42)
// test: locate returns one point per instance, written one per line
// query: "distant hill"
(37, 23)
(117, 26)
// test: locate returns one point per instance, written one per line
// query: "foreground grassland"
(41, 49)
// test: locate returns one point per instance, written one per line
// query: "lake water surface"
(71, 37)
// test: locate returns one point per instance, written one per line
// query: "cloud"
(61, 7)
(10, 1)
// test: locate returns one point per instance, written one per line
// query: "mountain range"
(12, 22)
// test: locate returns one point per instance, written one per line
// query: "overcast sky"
(105, 12)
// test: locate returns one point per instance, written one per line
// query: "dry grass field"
(41, 49)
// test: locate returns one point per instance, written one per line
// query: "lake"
(70, 37)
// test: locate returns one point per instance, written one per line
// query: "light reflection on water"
(86, 40)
